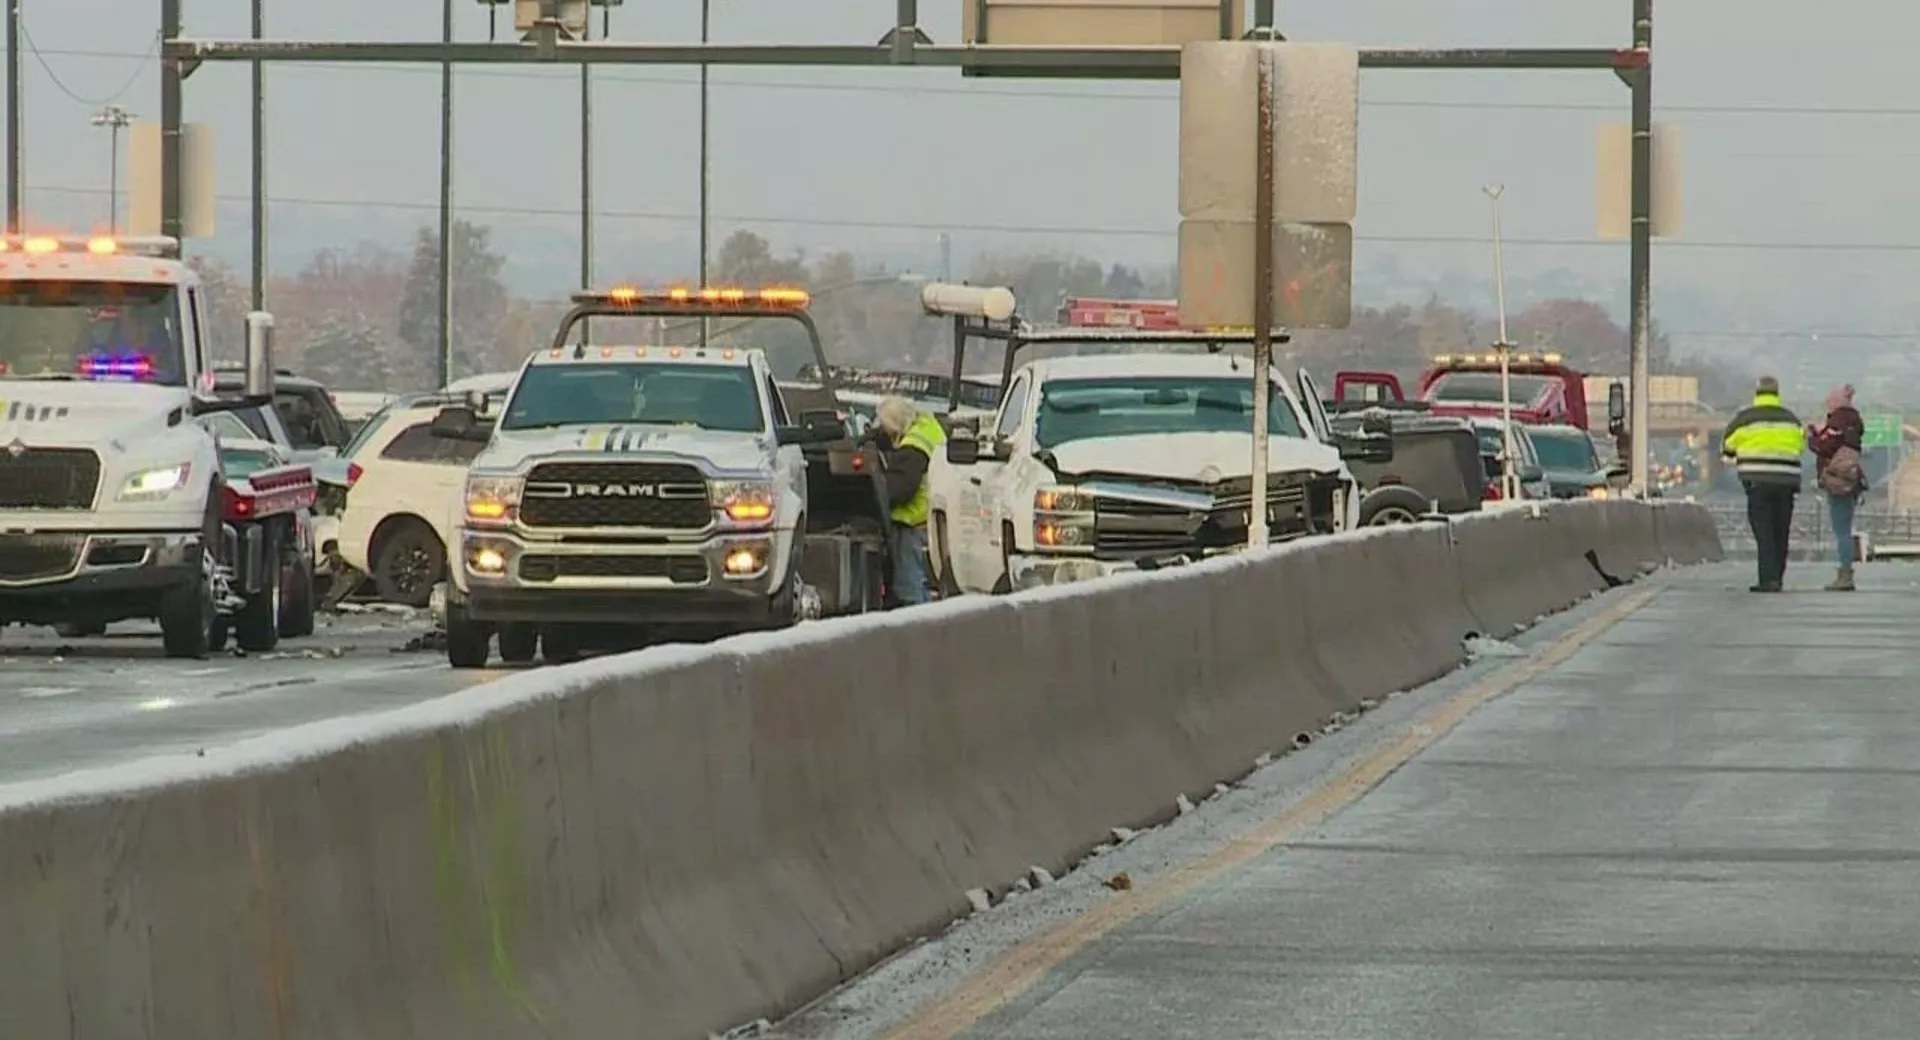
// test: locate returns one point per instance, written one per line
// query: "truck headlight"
(1063, 519)
(151, 484)
(744, 501)
(493, 501)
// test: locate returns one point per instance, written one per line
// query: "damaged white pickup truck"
(1109, 462)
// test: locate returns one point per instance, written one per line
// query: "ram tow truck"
(113, 501)
(632, 493)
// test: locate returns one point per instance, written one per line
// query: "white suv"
(402, 483)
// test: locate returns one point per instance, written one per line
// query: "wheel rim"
(1393, 515)
(411, 570)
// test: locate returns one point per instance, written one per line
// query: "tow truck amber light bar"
(1478, 360)
(782, 299)
(154, 246)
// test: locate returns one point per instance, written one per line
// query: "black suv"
(305, 408)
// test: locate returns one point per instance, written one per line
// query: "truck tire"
(467, 640)
(558, 645)
(519, 642)
(187, 611)
(297, 600)
(1393, 504)
(256, 629)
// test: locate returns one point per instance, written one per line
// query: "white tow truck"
(632, 493)
(113, 502)
(1137, 456)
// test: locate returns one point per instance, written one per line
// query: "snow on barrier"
(668, 843)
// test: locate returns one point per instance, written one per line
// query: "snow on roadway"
(70, 704)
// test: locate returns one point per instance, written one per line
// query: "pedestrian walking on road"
(1765, 442)
(1841, 473)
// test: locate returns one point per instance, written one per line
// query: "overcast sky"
(886, 160)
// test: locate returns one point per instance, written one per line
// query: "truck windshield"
(118, 331)
(1571, 450)
(1484, 388)
(1079, 409)
(707, 397)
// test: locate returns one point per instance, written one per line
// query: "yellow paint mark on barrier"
(1022, 967)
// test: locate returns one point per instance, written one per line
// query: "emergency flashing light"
(107, 366)
(693, 298)
(1445, 360)
(153, 246)
(994, 303)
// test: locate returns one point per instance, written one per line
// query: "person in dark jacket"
(1765, 442)
(1836, 450)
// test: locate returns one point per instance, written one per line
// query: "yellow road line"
(1023, 966)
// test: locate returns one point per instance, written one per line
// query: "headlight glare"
(744, 501)
(155, 483)
(493, 500)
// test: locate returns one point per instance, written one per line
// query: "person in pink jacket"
(1840, 474)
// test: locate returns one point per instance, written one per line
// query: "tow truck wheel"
(468, 641)
(519, 643)
(297, 603)
(256, 629)
(187, 612)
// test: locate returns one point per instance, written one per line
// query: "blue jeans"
(910, 583)
(1840, 510)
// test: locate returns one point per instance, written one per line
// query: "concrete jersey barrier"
(669, 843)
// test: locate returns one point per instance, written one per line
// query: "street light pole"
(1509, 473)
(16, 150)
(115, 119)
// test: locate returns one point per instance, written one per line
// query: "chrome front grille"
(1295, 505)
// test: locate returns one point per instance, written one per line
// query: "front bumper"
(728, 577)
(48, 577)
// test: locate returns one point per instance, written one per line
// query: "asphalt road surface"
(1699, 817)
(69, 704)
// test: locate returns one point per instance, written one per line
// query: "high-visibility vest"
(1766, 442)
(925, 436)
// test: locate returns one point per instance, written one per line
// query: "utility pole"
(1640, 261)
(706, 161)
(115, 119)
(16, 152)
(446, 198)
(1262, 297)
(257, 245)
(172, 108)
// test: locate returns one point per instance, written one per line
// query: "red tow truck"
(1544, 389)
(261, 516)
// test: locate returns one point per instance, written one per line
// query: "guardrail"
(670, 842)
(1812, 537)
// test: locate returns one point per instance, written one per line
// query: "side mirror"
(1616, 403)
(476, 401)
(1373, 443)
(1532, 474)
(259, 361)
(963, 451)
(459, 424)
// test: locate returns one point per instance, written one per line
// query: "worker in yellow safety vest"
(1765, 442)
(914, 436)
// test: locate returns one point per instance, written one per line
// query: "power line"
(40, 58)
(1009, 229)
(1168, 97)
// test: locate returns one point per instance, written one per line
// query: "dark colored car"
(1436, 464)
(1573, 467)
(312, 423)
